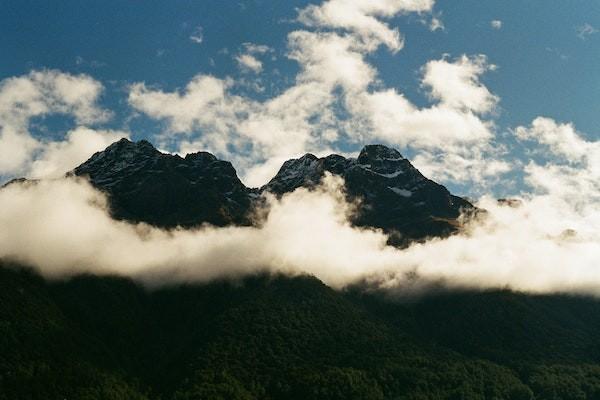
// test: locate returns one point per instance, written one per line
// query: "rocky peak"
(201, 157)
(126, 148)
(393, 194)
(167, 190)
(385, 161)
(378, 152)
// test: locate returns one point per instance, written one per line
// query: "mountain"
(277, 337)
(393, 194)
(167, 190)
(145, 185)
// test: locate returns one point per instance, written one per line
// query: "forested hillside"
(272, 337)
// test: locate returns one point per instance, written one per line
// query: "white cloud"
(563, 139)
(197, 35)
(585, 30)
(548, 243)
(496, 24)
(56, 158)
(336, 97)
(483, 167)
(363, 18)
(570, 169)
(436, 24)
(62, 227)
(203, 104)
(37, 95)
(249, 63)
(456, 84)
(253, 48)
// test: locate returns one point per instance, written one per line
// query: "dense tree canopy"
(288, 338)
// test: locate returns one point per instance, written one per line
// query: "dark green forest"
(275, 337)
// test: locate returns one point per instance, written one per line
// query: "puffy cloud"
(496, 24)
(563, 139)
(248, 59)
(456, 84)
(570, 165)
(56, 158)
(391, 117)
(363, 18)
(334, 98)
(331, 59)
(203, 104)
(61, 227)
(483, 168)
(37, 95)
(337, 98)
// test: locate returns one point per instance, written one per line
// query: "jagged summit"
(378, 152)
(167, 190)
(394, 195)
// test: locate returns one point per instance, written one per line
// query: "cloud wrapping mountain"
(543, 243)
(548, 243)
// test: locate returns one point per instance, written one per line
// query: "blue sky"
(546, 56)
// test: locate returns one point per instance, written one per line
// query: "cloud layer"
(545, 242)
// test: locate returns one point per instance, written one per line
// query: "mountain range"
(280, 337)
(145, 185)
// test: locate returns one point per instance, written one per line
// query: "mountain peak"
(128, 145)
(167, 190)
(378, 152)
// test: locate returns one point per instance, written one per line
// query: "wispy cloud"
(249, 63)
(197, 35)
(585, 30)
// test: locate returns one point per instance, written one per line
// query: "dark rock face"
(394, 195)
(166, 190)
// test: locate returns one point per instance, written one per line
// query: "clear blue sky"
(547, 66)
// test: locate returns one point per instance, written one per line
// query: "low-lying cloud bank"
(62, 227)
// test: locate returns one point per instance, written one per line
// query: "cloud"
(496, 24)
(563, 139)
(56, 158)
(483, 167)
(456, 84)
(204, 103)
(336, 98)
(569, 168)
(61, 227)
(253, 48)
(547, 243)
(249, 63)
(363, 18)
(197, 35)
(585, 30)
(436, 24)
(38, 95)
